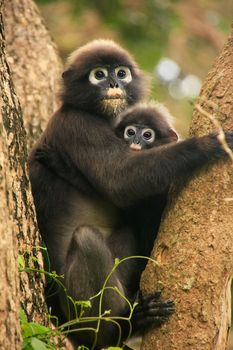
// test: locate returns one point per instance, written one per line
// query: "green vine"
(39, 337)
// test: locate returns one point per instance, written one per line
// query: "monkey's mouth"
(135, 147)
(114, 94)
(114, 102)
(113, 98)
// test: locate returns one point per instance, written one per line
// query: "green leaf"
(30, 329)
(107, 312)
(21, 262)
(83, 303)
(38, 328)
(26, 344)
(37, 344)
(22, 316)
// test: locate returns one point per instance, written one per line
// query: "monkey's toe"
(152, 312)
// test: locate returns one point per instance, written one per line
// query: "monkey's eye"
(129, 132)
(148, 135)
(123, 73)
(97, 75)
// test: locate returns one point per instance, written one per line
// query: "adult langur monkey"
(86, 227)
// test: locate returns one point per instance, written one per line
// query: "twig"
(221, 135)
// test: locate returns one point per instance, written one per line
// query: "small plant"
(35, 336)
(38, 337)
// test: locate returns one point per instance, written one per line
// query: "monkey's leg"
(89, 262)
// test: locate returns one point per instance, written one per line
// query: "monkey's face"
(102, 79)
(139, 137)
(111, 84)
(144, 126)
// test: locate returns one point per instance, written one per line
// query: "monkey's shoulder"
(77, 120)
(87, 131)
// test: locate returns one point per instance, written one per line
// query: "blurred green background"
(174, 41)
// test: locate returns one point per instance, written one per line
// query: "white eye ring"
(151, 138)
(93, 76)
(126, 77)
(127, 132)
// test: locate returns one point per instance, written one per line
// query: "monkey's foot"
(151, 312)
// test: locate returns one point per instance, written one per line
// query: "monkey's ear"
(173, 136)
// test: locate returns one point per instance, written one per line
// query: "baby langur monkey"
(143, 126)
(146, 125)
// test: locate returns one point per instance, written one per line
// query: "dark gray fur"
(87, 226)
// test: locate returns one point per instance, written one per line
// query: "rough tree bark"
(35, 64)
(12, 175)
(27, 46)
(195, 245)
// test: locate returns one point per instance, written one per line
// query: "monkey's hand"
(50, 158)
(151, 312)
(47, 156)
(228, 139)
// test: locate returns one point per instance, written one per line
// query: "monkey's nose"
(113, 83)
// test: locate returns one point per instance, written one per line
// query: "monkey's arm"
(136, 175)
(153, 171)
(124, 175)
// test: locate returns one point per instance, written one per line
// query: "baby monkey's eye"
(148, 135)
(129, 131)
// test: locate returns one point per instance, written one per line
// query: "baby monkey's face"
(145, 126)
(139, 137)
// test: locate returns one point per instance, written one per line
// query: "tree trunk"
(10, 122)
(35, 65)
(195, 244)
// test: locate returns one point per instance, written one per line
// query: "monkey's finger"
(162, 308)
